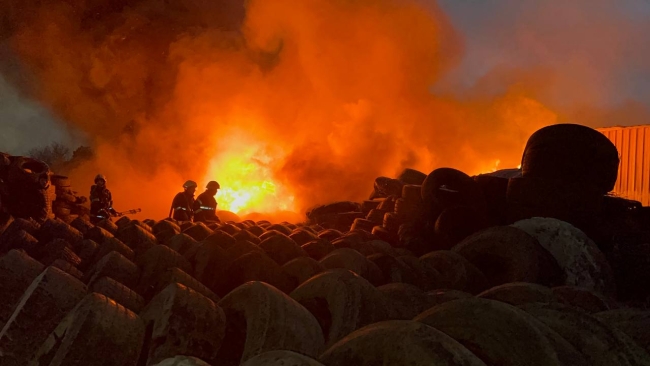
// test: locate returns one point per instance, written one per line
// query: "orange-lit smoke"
(586, 60)
(303, 102)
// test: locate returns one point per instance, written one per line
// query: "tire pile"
(30, 190)
(457, 275)
(25, 189)
(68, 204)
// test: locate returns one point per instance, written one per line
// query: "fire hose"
(130, 212)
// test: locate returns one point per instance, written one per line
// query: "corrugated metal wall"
(633, 144)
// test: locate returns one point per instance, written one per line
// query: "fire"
(158, 90)
(243, 168)
(491, 168)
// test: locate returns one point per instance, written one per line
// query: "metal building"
(633, 144)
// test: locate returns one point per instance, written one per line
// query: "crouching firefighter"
(101, 201)
(183, 204)
(205, 206)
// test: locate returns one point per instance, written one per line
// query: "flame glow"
(243, 168)
(287, 104)
(490, 169)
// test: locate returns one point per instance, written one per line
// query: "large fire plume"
(285, 103)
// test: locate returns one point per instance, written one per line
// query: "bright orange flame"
(491, 169)
(243, 168)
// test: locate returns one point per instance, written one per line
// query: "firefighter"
(205, 206)
(101, 201)
(183, 203)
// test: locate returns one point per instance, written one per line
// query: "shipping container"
(633, 144)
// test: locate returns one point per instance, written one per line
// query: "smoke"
(318, 96)
(25, 124)
(585, 60)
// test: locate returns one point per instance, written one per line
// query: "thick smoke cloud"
(586, 60)
(25, 124)
(318, 96)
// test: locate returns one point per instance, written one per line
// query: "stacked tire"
(256, 293)
(25, 188)
(68, 205)
(566, 171)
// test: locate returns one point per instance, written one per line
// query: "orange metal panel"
(645, 166)
(633, 144)
(631, 172)
(624, 166)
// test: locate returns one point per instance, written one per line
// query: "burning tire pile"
(537, 267)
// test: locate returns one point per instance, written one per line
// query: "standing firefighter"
(101, 201)
(183, 203)
(205, 206)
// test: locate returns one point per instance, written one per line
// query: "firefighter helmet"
(189, 184)
(213, 185)
(100, 177)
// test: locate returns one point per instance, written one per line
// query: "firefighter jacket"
(205, 208)
(183, 207)
(101, 202)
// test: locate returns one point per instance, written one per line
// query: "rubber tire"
(260, 318)
(599, 343)
(184, 322)
(412, 176)
(467, 192)
(177, 275)
(281, 358)
(45, 303)
(60, 181)
(303, 268)
(318, 249)
(519, 293)
(399, 342)
(499, 333)
(116, 266)
(506, 254)
(282, 248)
(154, 262)
(354, 261)
(333, 208)
(572, 153)
(254, 266)
(342, 302)
(97, 329)
(120, 293)
(17, 272)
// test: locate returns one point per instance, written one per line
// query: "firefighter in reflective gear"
(101, 201)
(183, 203)
(205, 206)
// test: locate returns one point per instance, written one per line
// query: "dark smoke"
(318, 96)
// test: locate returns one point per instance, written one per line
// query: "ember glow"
(244, 169)
(491, 169)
